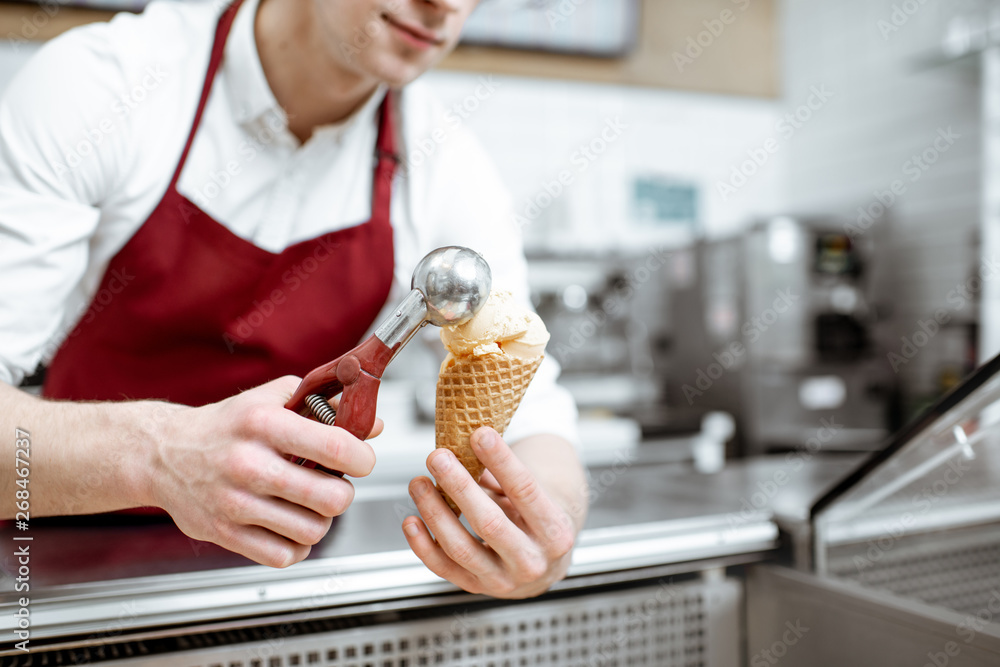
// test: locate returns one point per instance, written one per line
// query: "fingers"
(376, 429)
(488, 481)
(540, 514)
(435, 558)
(282, 387)
(487, 519)
(323, 494)
(273, 511)
(285, 519)
(334, 448)
(452, 537)
(514, 559)
(261, 545)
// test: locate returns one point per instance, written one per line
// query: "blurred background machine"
(778, 327)
(610, 325)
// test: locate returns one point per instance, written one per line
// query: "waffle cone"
(474, 392)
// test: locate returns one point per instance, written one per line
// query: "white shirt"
(92, 129)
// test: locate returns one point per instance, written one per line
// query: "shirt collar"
(248, 87)
(367, 111)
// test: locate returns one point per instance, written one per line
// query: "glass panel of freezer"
(921, 518)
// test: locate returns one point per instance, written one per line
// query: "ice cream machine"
(777, 326)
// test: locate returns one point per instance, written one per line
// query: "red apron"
(191, 313)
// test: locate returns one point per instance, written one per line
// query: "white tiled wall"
(533, 127)
(891, 97)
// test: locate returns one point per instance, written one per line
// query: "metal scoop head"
(455, 282)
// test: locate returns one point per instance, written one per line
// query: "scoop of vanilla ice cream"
(502, 325)
(531, 343)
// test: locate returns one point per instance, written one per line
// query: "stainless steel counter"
(86, 579)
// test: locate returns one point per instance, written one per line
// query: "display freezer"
(654, 581)
(808, 558)
(899, 562)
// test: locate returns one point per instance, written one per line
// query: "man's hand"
(223, 473)
(527, 517)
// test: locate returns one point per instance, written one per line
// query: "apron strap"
(386, 159)
(218, 50)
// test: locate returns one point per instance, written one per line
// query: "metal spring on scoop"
(321, 409)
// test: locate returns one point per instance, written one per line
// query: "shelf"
(742, 59)
(29, 22)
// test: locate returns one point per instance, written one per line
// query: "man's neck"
(306, 80)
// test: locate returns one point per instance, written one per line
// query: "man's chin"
(400, 68)
(398, 75)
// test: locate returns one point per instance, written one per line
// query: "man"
(188, 209)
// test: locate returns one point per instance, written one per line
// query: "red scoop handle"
(355, 375)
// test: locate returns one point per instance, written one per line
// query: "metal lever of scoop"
(449, 286)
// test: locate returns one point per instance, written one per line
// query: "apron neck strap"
(218, 50)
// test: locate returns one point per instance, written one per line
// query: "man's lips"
(415, 31)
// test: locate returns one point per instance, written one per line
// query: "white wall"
(891, 97)
(532, 128)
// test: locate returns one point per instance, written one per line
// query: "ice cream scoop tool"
(449, 286)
